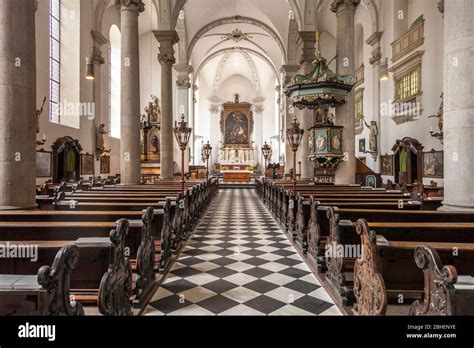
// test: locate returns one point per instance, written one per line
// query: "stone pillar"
(18, 104)
(215, 136)
(183, 83)
(167, 39)
(375, 60)
(288, 71)
(345, 9)
(307, 40)
(458, 105)
(98, 60)
(258, 110)
(130, 98)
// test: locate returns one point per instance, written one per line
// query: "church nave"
(239, 262)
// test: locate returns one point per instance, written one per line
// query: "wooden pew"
(46, 293)
(386, 272)
(446, 290)
(109, 283)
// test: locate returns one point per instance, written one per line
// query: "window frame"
(54, 79)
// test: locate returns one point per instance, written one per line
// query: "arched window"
(64, 57)
(115, 81)
(54, 59)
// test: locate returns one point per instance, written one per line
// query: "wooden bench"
(386, 272)
(45, 293)
(109, 283)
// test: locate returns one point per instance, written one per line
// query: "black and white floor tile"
(239, 262)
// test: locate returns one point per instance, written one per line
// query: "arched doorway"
(66, 160)
(408, 161)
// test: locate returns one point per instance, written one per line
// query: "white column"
(458, 105)
(258, 110)
(288, 71)
(345, 9)
(183, 84)
(215, 115)
(17, 104)
(374, 41)
(167, 38)
(130, 97)
(98, 60)
(307, 40)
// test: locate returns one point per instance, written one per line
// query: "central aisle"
(239, 262)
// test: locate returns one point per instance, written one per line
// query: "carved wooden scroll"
(177, 223)
(116, 285)
(439, 292)
(299, 232)
(284, 206)
(291, 215)
(166, 237)
(146, 255)
(334, 261)
(369, 287)
(314, 233)
(56, 280)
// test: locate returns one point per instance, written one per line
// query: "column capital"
(376, 56)
(97, 57)
(340, 5)
(258, 104)
(215, 104)
(137, 5)
(184, 69)
(307, 39)
(441, 6)
(167, 39)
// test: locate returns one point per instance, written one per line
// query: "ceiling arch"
(234, 20)
(232, 50)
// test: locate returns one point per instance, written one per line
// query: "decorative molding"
(234, 20)
(166, 58)
(99, 38)
(236, 49)
(374, 38)
(359, 74)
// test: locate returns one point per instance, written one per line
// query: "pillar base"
(452, 207)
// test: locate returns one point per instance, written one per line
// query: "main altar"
(237, 155)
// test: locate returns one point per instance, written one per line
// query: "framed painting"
(433, 164)
(105, 165)
(44, 164)
(386, 165)
(362, 145)
(236, 129)
(87, 164)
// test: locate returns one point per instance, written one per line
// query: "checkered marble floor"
(239, 262)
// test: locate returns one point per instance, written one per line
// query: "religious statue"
(439, 116)
(38, 116)
(374, 132)
(99, 141)
(153, 111)
(155, 142)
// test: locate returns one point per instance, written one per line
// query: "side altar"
(150, 138)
